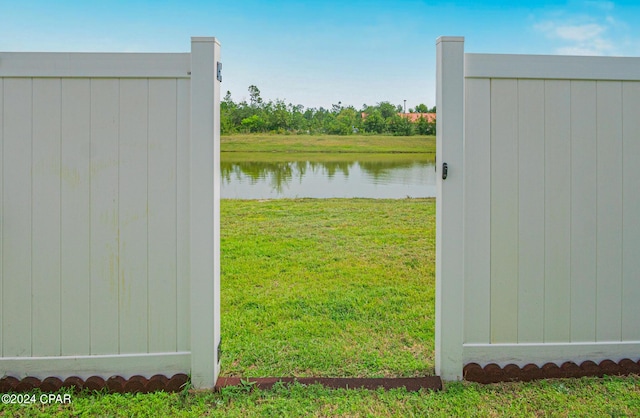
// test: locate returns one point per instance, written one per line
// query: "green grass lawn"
(328, 143)
(319, 157)
(586, 397)
(328, 287)
(340, 287)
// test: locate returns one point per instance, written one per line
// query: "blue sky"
(317, 53)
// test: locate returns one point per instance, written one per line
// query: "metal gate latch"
(444, 171)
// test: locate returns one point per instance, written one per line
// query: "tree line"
(259, 116)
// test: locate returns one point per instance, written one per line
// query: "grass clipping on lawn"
(331, 287)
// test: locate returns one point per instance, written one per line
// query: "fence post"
(205, 212)
(449, 207)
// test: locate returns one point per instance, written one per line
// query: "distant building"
(413, 117)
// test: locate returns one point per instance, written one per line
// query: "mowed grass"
(328, 143)
(340, 287)
(586, 397)
(318, 157)
(328, 287)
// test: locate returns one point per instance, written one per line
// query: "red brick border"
(114, 384)
(492, 373)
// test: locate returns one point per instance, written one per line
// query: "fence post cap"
(449, 39)
(205, 39)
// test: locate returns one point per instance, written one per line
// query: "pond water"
(286, 175)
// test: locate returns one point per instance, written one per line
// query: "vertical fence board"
(75, 222)
(1, 204)
(182, 212)
(217, 184)
(583, 210)
(46, 217)
(16, 220)
(133, 216)
(504, 211)
(531, 210)
(609, 211)
(449, 336)
(631, 213)
(162, 215)
(557, 287)
(477, 214)
(203, 363)
(204, 212)
(104, 215)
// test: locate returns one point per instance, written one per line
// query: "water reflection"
(260, 176)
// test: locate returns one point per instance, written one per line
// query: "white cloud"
(578, 38)
(588, 27)
(579, 33)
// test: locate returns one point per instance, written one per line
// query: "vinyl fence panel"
(550, 243)
(110, 214)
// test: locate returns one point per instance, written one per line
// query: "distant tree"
(254, 124)
(297, 121)
(261, 116)
(242, 111)
(254, 96)
(374, 123)
(424, 127)
(278, 116)
(422, 108)
(336, 108)
(400, 126)
(227, 108)
(226, 125)
(316, 120)
(387, 110)
(344, 123)
(310, 122)
(227, 101)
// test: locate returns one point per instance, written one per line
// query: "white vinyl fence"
(109, 183)
(538, 220)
